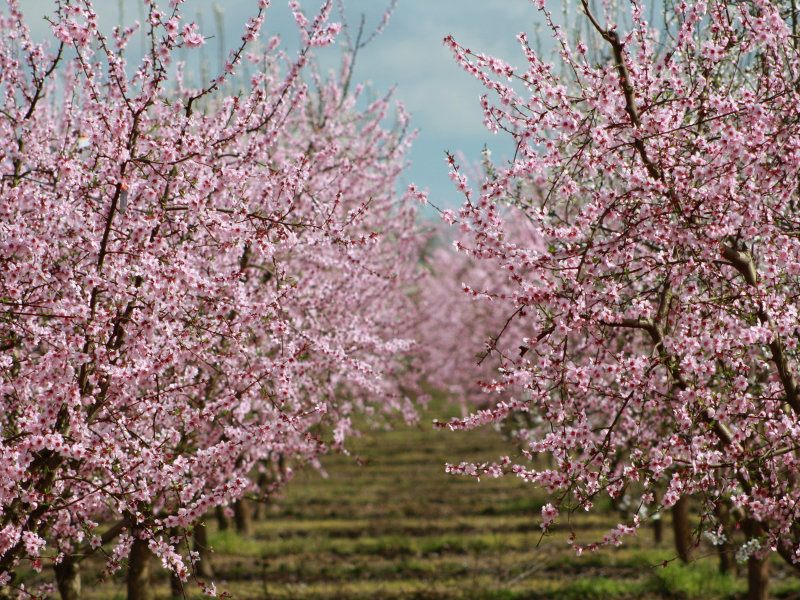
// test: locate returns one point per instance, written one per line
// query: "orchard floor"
(400, 528)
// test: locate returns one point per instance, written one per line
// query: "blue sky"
(442, 98)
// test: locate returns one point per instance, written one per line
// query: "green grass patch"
(697, 580)
(399, 528)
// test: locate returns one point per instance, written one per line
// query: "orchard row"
(196, 286)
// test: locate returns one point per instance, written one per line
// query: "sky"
(409, 55)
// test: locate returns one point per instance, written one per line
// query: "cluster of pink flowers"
(640, 254)
(192, 284)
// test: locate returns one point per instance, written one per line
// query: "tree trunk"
(243, 517)
(682, 528)
(222, 521)
(139, 571)
(757, 569)
(727, 561)
(203, 567)
(175, 583)
(68, 578)
(259, 507)
(658, 522)
(264, 480)
(758, 578)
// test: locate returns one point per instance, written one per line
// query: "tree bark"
(758, 578)
(258, 511)
(223, 523)
(175, 583)
(203, 567)
(68, 578)
(243, 517)
(139, 571)
(658, 523)
(757, 569)
(264, 480)
(727, 560)
(682, 528)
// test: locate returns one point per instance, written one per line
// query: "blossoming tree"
(458, 316)
(661, 171)
(192, 284)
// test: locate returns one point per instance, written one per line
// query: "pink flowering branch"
(662, 261)
(189, 295)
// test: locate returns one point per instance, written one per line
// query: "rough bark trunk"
(264, 481)
(259, 512)
(727, 560)
(758, 578)
(682, 528)
(175, 583)
(757, 569)
(658, 522)
(243, 517)
(139, 571)
(203, 567)
(68, 578)
(223, 523)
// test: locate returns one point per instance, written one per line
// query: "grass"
(400, 528)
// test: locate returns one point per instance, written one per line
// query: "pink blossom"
(549, 514)
(194, 277)
(699, 345)
(192, 39)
